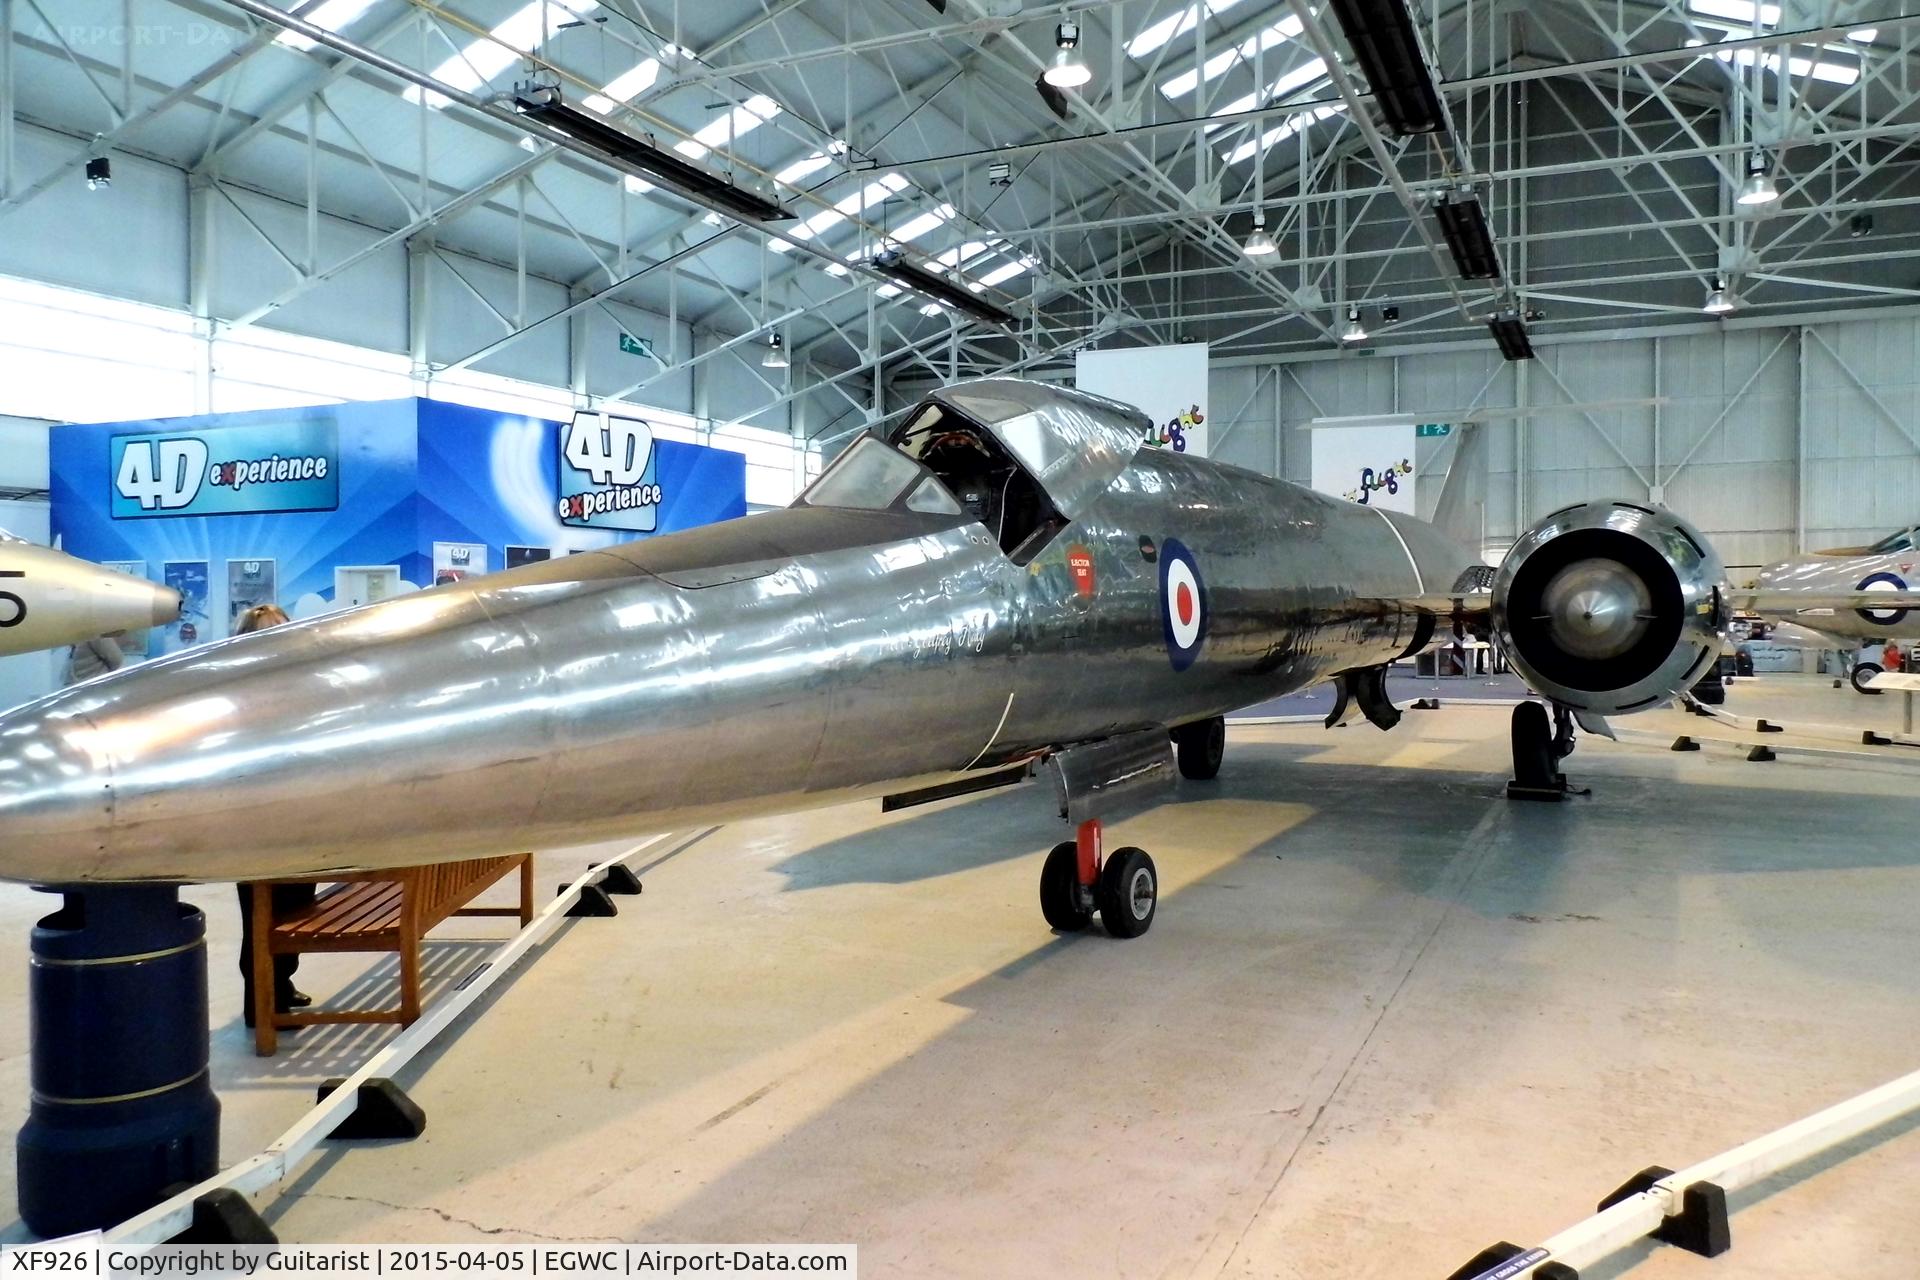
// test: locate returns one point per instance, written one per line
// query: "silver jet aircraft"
(1009, 581)
(1869, 583)
(48, 599)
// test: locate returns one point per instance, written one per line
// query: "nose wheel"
(1076, 881)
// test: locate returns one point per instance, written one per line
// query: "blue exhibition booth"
(322, 507)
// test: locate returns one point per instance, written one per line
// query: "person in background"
(1893, 658)
(287, 898)
(95, 657)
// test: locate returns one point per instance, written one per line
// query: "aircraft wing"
(1779, 600)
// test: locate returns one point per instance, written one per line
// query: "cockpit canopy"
(1022, 458)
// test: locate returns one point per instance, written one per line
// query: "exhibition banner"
(209, 468)
(608, 476)
(1168, 383)
(427, 492)
(1367, 461)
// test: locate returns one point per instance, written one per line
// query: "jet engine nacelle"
(1610, 607)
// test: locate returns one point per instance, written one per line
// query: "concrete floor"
(1384, 1018)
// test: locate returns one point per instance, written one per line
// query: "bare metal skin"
(791, 659)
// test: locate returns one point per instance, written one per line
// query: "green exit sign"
(1428, 430)
(635, 346)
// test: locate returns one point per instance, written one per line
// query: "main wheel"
(1533, 758)
(1129, 891)
(1059, 881)
(1200, 747)
(1863, 672)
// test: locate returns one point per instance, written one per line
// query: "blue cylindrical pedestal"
(122, 1105)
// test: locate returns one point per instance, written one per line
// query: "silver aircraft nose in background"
(49, 599)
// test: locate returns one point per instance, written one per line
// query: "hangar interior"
(1389, 1017)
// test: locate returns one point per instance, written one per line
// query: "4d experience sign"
(243, 469)
(609, 477)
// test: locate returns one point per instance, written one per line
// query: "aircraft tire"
(1199, 748)
(1863, 672)
(1129, 893)
(1059, 877)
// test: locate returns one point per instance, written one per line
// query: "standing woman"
(287, 898)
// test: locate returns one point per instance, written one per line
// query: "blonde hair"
(259, 618)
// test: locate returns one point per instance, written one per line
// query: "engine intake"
(1609, 607)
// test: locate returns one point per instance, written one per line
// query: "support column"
(419, 308)
(122, 1107)
(202, 209)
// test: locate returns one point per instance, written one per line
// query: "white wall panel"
(128, 240)
(1729, 438)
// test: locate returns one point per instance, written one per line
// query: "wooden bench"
(378, 911)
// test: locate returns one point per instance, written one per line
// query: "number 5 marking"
(19, 606)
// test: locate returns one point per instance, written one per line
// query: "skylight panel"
(1288, 28)
(1740, 13)
(1831, 72)
(1005, 272)
(332, 15)
(960, 256)
(920, 226)
(1173, 27)
(1292, 125)
(624, 87)
(874, 193)
(1285, 87)
(732, 126)
(800, 170)
(476, 65)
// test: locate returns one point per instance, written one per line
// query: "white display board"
(1169, 383)
(1369, 462)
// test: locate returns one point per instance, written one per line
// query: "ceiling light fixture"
(544, 103)
(1758, 189)
(1068, 70)
(1510, 334)
(1259, 243)
(776, 357)
(1386, 44)
(1355, 331)
(99, 173)
(1719, 299)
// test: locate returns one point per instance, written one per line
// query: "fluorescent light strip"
(332, 15)
(1173, 27)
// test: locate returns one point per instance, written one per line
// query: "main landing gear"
(1200, 747)
(1076, 881)
(1539, 745)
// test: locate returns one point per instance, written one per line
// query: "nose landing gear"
(1076, 881)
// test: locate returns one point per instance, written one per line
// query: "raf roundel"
(1183, 604)
(1882, 582)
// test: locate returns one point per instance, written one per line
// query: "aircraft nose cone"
(1598, 608)
(56, 799)
(166, 605)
